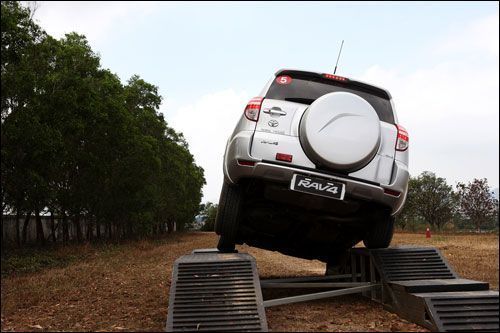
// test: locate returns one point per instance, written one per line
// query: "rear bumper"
(238, 148)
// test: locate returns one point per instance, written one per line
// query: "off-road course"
(125, 287)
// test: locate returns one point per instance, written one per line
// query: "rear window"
(306, 91)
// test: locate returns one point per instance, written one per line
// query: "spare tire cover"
(341, 131)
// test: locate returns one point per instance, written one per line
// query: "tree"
(432, 199)
(28, 144)
(476, 202)
(20, 37)
(210, 211)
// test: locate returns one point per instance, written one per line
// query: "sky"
(440, 62)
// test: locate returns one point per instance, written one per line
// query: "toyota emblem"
(272, 123)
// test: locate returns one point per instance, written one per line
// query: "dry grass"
(127, 288)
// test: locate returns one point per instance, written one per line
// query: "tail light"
(392, 192)
(253, 108)
(246, 163)
(402, 140)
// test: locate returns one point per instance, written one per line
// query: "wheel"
(380, 234)
(226, 221)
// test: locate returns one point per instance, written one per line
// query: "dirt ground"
(127, 288)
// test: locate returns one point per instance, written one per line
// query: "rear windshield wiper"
(308, 101)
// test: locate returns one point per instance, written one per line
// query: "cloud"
(96, 20)
(207, 124)
(450, 108)
(477, 36)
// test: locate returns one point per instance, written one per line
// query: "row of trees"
(76, 142)
(432, 202)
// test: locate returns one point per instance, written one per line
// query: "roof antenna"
(340, 51)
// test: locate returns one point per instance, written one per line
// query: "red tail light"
(253, 108)
(403, 139)
(392, 192)
(246, 163)
(284, 157)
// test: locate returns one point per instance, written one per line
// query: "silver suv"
(317, 163)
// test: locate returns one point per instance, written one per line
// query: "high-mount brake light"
(335, 77)
(402, 141)
(253, 108)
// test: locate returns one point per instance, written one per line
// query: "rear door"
(285, 102)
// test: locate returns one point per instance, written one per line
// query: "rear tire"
(227, 219)
(380, 234)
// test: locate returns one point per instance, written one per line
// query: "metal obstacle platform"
(213, 291)
(419, 285)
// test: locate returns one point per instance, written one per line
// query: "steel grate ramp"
(411, 263)
(213, 291)
(419, 285)
(465, 311)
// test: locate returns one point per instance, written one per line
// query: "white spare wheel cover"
(340, 130)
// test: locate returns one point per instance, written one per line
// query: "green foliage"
(33, 260)
(79, 142)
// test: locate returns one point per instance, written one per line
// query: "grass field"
(125, 287)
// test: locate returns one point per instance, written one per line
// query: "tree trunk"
(18, 234)
(25, 225)
(170, 226)
(119, 231)
(90, 229)
(40, 237)
(98, 229)
(76, 221)
(53, 226)
(1, 239)
(130, 231)
(65, 228)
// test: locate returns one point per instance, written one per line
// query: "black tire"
(227, 219)
(379, 236)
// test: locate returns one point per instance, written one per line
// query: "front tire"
(379, 236)
(227, 219)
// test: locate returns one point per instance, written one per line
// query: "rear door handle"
(275, 111)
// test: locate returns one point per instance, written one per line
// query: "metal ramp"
(408, 263)
(465, 311)
(419, 285)
(213, 291)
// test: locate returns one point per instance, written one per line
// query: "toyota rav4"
(317, 163)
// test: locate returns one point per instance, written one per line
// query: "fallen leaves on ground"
(127, 289)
